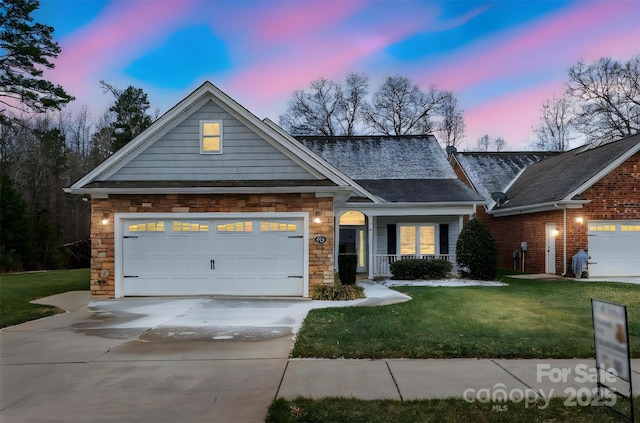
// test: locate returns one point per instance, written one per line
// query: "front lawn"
(351, 410)
(527, 319)
(17, 290)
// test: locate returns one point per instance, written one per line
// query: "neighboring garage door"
(246, 256)
(614, 247)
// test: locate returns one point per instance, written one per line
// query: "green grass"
(527, 319)
(348, 410)
(17, 290)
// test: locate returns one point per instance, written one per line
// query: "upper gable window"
(210, 137)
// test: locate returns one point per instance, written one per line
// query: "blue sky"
(502, 58)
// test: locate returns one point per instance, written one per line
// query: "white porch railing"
(381, 262)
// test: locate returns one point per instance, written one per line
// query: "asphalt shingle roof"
(394, 168)
(383, 157)
(494, 171)
(557, 177)
(420, 190)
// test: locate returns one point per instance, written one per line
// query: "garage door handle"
(213, 264)
(294, 277)
(131, 276)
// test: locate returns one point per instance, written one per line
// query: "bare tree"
(450, 125)
(314, 112)
(484, 142)
(555, 130)
(353, 97)
(101, 139)
(607, 95)
(400, 107)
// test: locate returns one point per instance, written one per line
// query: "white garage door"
(614, 247)
(246, 256)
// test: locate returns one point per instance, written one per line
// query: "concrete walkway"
(222, 360)
(470, 379)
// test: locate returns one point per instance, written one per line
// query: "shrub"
(338, 292)
(420, 269)
(476, 251)
(348, 268)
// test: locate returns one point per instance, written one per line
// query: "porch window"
(417, 239)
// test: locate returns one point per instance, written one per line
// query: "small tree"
(477, 252)
(348, 268)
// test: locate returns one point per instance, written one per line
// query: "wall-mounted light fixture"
(105, 218)
(579, 219)
(555, 232)
(317, 218)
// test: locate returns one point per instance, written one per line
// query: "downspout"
(564, 239)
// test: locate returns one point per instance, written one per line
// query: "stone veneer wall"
(321, 268)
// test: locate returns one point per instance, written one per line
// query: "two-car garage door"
(252, 255)
(614, 247)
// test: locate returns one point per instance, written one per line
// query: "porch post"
(336, 239)
(372, 240)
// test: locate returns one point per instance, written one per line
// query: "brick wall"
(614, 197)
(102, 235)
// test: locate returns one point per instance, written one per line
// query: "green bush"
(338, 292)
(348, 268)
(477, 252)
(420, 269)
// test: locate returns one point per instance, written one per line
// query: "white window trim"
(201, 139)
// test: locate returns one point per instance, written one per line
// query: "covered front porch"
(381, 234)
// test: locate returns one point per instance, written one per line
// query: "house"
(558, 204)
(416, 205)
(211, 200)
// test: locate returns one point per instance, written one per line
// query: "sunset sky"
(502, 58)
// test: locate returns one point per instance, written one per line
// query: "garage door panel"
(218, 257)
(614, 247)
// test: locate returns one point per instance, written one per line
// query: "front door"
(551, 248)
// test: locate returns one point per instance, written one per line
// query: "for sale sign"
(611, 338)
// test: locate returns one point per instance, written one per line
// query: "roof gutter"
(511, 211)
(102, 192)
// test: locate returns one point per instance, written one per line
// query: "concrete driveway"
(151, 359)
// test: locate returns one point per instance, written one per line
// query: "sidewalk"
(471, 379)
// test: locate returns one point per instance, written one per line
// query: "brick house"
(211, 200)
(560, 203)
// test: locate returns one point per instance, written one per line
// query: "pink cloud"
(114, 38)
(291, 19)
(511, 117)
(540, 45)
(329, 52)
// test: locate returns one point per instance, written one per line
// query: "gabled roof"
(561, 179)
(97, 180)
(403, 169)
(490, 172)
